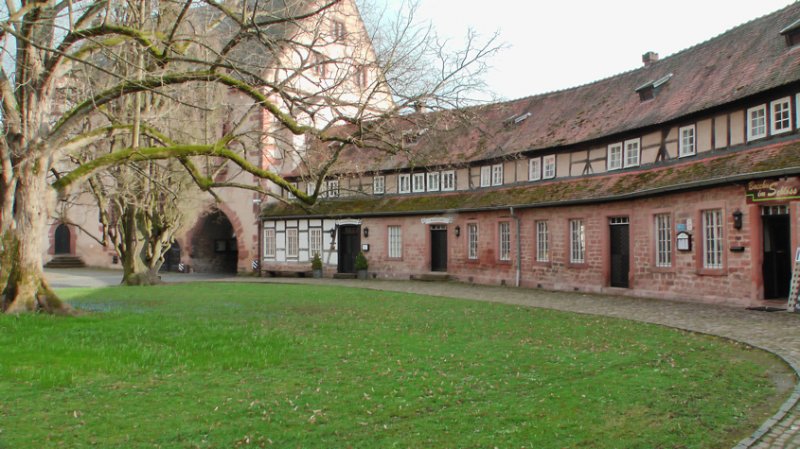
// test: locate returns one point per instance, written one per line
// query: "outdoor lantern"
(333, 232)
(458, 230)
(737, 219)
(366, 232)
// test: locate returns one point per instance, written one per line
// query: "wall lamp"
(366, 232)
(458, 230)
(737, 220)
(332, 232)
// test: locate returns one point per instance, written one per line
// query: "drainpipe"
(519, 247)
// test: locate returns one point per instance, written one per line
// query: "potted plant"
(316, 266)
(361, 265)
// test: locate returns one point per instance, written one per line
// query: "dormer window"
(516, 119)
(792, 33)
(649, 90)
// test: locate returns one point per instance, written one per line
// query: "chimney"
(649, 58)
(420, 106)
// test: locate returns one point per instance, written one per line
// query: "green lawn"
(224, 365)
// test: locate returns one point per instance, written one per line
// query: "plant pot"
(317, 273)
(362, 274)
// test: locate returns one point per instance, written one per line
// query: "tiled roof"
(754, 163)
(741, 62)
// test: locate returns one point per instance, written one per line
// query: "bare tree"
(265, 58)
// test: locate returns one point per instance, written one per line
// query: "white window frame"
(614, 157)
(497, 174)
(535, 169)
(378, 185)
(404, 183)
(332, 188)
(632, 153)
(549, 167)
(394, 241)
(472, 241)
(713, 239)
(782, 117)
(269, 243)
(577, 241)
(433, 181)
(292, 243)
(542, 241)
(418, 182)
(687, 141)
(756, 126)
(486, 176)
(448, 181)
(314, 242)
(662, 230)
(504, 241)
(310, 187)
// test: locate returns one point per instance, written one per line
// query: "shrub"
(316, 262)
(361, 261)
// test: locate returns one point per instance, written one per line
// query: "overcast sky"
(565, 43)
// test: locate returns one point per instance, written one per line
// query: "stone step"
(65, 262)
(344, 276)
(431, 277)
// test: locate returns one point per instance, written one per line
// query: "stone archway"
(214, 245)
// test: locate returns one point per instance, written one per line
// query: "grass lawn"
(237, 365)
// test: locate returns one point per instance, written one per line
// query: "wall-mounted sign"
(773, 190)
(365, 247)
(683, 241)
(681, 227)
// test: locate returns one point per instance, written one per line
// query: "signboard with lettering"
(773, 190)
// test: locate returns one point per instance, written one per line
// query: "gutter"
(519, 247)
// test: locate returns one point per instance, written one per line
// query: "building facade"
(680, 179)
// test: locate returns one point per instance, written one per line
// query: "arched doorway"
(63, 240)
(214, 245)
(172, 258)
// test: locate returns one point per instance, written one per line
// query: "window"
(535, 169)
(332, 188)
(362, 77)
(395, 242)
(542, 242)
(712, 239)
(472, 241)
(505, 240)
(320, 66)
(339, 30)
(781, 115)
(433, 182)
(269, 242)
(315, 241)
(378, 185)
(615, 156)
(663, 228)
(448, 180)
(686, 141)
(756, 122)
(486, 176)
(577, 241)
(292, 247)
(631, 153)
(310, 186)
(419, 182)
(549, 167)
(404, 183)
(497, 174)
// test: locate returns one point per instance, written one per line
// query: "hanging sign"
(773, 190)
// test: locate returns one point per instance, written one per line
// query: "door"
(62, 240)
(438, 248)
(349, 246)
(777, 267)
(620, 251)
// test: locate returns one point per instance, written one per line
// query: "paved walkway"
(777, 332)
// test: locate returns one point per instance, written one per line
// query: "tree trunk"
(135, 264)
(24, 286)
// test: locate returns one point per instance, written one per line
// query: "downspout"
(519, 247)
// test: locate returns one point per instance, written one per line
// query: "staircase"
(65, 261)
(433, 276)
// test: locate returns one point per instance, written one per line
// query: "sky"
(554, 45)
